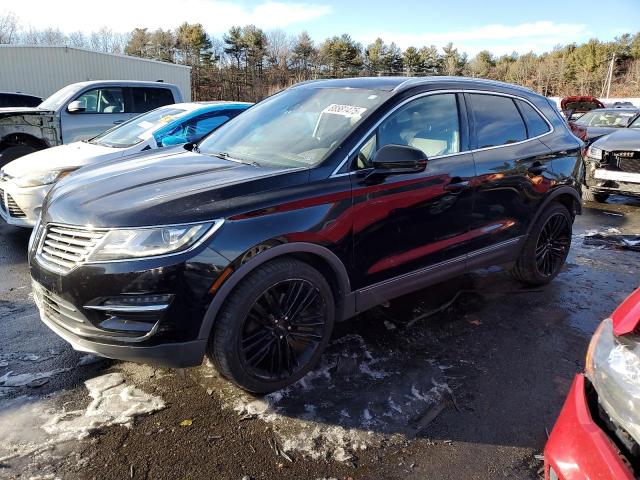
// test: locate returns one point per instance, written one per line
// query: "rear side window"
(497, 120)
(145, 99)
(536, 125)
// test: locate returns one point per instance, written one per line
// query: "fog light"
(133, 303)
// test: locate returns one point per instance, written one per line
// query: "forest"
(247, 63)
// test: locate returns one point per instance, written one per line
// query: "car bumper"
(577, 447)
(21, 206)
(612, 181)
(93, 307)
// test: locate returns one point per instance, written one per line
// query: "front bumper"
(21, 206)
(578, 448)
(90, 307)
(612, 181)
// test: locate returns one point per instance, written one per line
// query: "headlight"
(127, 243)
(594, 152)
(41, 178)
(613, 367)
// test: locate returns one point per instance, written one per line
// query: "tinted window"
(497, 120)
(429, 124)
(535, 123)
(103, 100)
(145, 99)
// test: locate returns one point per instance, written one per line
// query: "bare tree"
(8, 27)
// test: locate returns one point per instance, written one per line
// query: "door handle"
(118, 122)
(457, 185)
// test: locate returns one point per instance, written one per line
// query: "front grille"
(13, 208)
(631, 165)
(3, 206)
(62, 248)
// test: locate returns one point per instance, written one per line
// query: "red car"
(576, 105)
(597, 435)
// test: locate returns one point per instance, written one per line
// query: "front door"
(104, 108)
(411, 222)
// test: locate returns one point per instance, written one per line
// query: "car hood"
(160, 188)
(597, 132)
(10, 111)
(626, 139)
(76, 154)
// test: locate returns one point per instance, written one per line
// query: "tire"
(14, 151)
(543, 256)
(589, 195)
(250, 335)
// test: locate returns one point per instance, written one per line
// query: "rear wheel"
(546, 248)
(273, 327)
(589, 195)
(14, 151)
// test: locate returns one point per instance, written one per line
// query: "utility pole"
(609, 77)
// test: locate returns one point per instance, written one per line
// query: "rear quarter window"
(146, 98)
(497, 120)
(536, 125)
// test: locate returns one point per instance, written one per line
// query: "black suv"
(312, 206)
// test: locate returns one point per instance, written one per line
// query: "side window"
(535, 123)
(196, 128)
(497, 120)
(429, 123)
(103, 100)
(145, 99)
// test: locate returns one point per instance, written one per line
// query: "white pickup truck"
(78, 112)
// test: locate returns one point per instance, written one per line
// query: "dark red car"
(597, 435)
(576, 105)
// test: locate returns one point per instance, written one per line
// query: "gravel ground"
(461, 380)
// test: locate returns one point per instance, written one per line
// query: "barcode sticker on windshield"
(144, 124)
(345, 110)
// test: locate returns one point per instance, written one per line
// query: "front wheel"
(14, 151)
(273, 327)
(546, 248)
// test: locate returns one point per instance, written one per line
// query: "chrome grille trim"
(62, 248)
(13, 208)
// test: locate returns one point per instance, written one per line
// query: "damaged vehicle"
(312, 206)
(603, 121)
(597, 434)
(25, 182)
(612, 165)
(78, 112)
(574, 106)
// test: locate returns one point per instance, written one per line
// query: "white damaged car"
(25, 182)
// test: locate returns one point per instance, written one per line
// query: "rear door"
(105, 107)
(144, 99)
(412, 222)
(514, 169)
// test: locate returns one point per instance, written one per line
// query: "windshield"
(56, 100)
(295, 128)
(137, 129)
(606, 118)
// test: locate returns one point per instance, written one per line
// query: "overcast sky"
(472, 25)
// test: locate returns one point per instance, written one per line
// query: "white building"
(42, 70)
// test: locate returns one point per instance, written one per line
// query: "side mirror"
(396, 160)
(76, 106)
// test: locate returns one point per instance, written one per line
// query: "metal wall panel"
(43, 70)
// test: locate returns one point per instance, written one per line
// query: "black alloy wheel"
(546, 247)
(273, 326)
(283, 329)
(553, 244)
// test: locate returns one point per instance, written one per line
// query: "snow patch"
(22, 379)
(114, 403)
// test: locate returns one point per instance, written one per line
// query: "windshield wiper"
(226, 156)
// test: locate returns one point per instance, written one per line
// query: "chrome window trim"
(437, 92)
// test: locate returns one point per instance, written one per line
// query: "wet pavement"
(461, 380)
